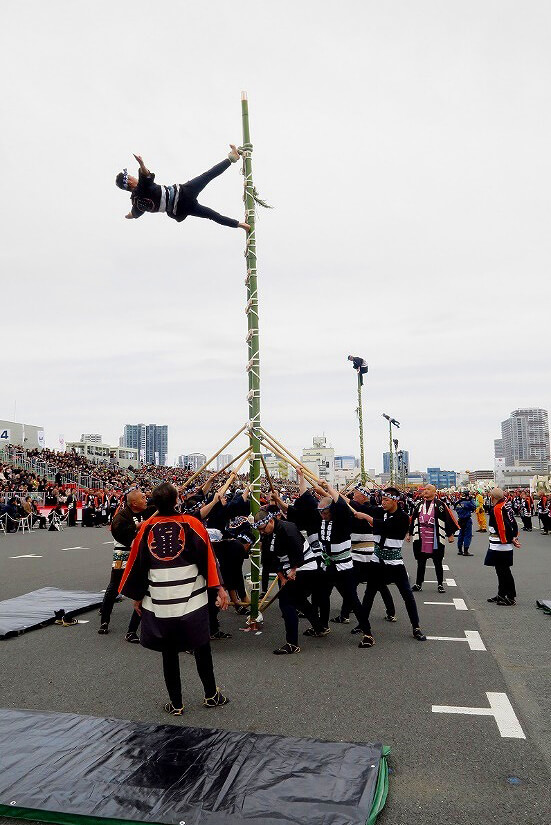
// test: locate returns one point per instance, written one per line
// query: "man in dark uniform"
(298, 573)
(124, 527)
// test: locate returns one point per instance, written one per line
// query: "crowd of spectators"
(69, 470)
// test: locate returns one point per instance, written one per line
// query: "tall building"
(442, 479)
(222, 460)
(386, 461)
(276, 467)
(345, 462)
(91, 438)
(525, 436)
(498, 448)
(192, 461)
(320, 459)
(151, 441)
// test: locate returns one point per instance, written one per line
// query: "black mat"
(59, 767)
(36, 609)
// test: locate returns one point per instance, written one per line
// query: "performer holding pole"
(178, 200)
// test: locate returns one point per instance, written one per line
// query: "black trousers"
(110, 598)
(527, 522)
(344, 582)
(213, 611)
(421, 565)
(505, 581)
(293, 596)
(361, 574)
(72, 517)
(390, 574)
(171, 672)
(187, 202)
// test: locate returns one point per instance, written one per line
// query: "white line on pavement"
(459, 604)
(26, 556)
(500, 708)
(472, 637)
(73, 548)
(449, 582)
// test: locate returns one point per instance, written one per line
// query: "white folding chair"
(24, 524)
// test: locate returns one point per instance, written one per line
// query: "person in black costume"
(178, 200)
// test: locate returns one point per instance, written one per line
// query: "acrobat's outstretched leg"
(196, 185)
(200, 211)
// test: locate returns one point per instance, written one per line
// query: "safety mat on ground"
(544, 604)
(65, 768)
(37, 608)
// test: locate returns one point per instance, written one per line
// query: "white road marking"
(109, 542)
(444, 567)
(459, 604)
(500, 708)
(27, 556)
(472, 637)
(73, 548)
(83, 621)
(449, 582)
(475, 640)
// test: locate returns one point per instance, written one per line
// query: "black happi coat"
(171, 566)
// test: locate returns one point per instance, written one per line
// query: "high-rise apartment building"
(386, 461)
(320, 459)
(525, 436)
(498, 448)
(91, 438)
(151, 441)
(192, 461)
(222, 460)
(345, 462)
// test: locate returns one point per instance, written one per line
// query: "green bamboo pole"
(361, 422)
(253, 365)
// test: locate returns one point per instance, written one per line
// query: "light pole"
(391, 421)
(360, 365)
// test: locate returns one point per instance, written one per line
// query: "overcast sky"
(405, 147)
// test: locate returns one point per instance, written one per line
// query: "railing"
(38, 497)
(17, 457)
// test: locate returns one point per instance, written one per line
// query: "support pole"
(253, 365)
(391, 448)
(361, 423)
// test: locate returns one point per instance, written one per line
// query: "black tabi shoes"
(169, 708)
(215, 701)
(287, 649)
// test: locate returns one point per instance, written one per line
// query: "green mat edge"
(381, 789)
(36, 815)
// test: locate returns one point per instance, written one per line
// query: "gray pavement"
(445, 768)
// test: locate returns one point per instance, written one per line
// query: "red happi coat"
(170, 568)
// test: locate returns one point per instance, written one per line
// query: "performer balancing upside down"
(178, 200)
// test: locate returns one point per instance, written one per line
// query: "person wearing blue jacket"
(465, 508)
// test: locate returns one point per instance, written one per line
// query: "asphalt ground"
(446, 769)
